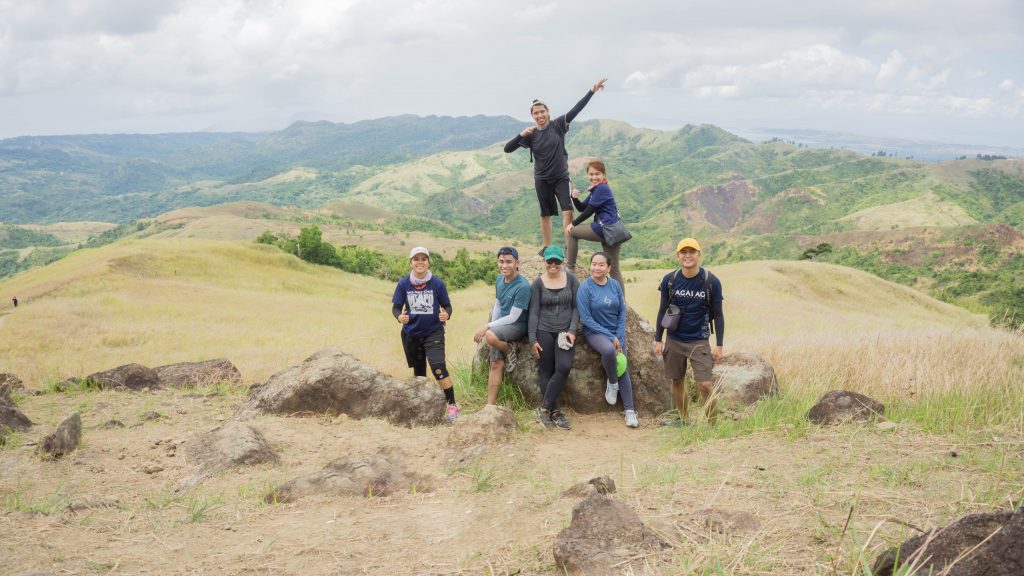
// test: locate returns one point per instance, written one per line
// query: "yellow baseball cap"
(688, 243)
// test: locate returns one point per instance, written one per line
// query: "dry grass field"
(951, 385)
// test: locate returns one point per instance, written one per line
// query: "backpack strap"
(707, 299)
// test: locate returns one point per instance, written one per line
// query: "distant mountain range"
(914, 221)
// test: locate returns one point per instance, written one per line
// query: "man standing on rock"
(546, 142)
(508, 320)
(690, 310)
(422, 306)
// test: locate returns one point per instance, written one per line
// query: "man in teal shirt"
(509, 319)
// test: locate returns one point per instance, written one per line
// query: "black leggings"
(552, 368)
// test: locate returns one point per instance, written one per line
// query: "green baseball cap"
(554, 253)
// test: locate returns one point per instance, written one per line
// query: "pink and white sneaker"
(453, 413)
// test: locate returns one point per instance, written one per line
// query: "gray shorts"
(697, 352)
(506, 333)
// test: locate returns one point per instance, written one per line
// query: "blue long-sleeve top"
(600, 201)
(602, 309)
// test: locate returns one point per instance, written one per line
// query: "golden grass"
(925, 210)
(72, 231)
(157, 301)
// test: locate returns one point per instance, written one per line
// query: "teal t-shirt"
(515, 293)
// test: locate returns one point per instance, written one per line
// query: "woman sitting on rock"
(600, 203)
(552, 334)
(602, 309)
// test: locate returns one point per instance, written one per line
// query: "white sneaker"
(611, 393)
(631, 420)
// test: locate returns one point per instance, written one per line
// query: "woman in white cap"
(421, 305)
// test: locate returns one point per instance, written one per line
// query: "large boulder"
(334, 382)
(840, 406)
(128, 376)
(229, 446)
(381, 474)
(988, 544)
(584, 391)
(743, 378)
(190, 374)
(64, 439)
(491, 425)
(602, 538)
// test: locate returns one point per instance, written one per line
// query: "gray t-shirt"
(553, 310)
(550, 160)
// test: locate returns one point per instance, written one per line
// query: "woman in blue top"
(600, 204)
(602, 309)
(421, 305)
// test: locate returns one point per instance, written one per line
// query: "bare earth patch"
(110, 507)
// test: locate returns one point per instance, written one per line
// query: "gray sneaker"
(511, 358)
(611, 393)
(544, 417)
(560, 420)
(631, 419)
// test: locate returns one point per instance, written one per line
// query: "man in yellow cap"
(690, 311)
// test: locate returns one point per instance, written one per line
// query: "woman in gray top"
(552, 333)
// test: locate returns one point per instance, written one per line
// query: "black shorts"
(419, 351)
(551, 193)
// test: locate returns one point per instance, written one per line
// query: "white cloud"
(151, 65)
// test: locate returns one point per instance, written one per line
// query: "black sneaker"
(544, 417)
(560, 420)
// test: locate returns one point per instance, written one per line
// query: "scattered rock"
(230, 446)
(493, 424)
(130, 376)
(841, 406)
(11, 418)
(64, 439)
(603, 536)
(603, 484)
(99, 407)
(9, 383)
(725, 522)
(192, 374)
(111, 424)
(886, 426)
(334, 382)
(151, 415)
(599, 485)
(381, 474)
(743, 378)
(939, 551)
(151, 468)
(66, 384)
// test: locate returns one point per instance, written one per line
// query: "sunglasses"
(552, 262)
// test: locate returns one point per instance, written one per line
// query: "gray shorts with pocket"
(506, 333)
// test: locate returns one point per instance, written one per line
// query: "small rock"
(886, 426)
(152, 468)
(603, 484)
(839, 406)
(112, 423)
(151, 415)
(64, 439)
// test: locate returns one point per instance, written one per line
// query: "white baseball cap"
(419, 250)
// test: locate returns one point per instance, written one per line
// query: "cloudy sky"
(936, 70)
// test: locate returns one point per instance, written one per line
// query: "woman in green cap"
(552, 333)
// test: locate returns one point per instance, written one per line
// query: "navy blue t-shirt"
(423, 305)
(688, 294)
